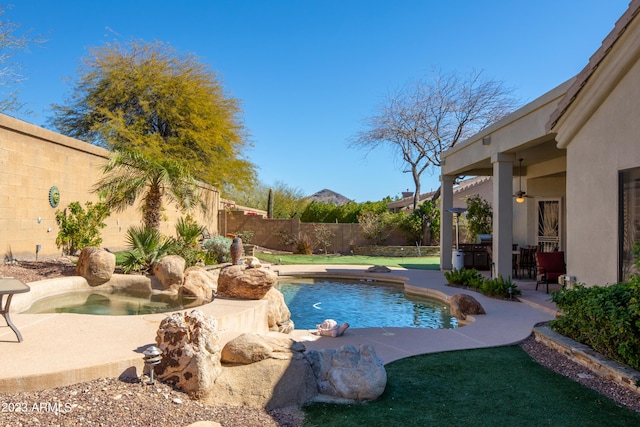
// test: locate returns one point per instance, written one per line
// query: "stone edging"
(587, 357)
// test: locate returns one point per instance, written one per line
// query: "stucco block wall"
(32, 160)
(609, 142)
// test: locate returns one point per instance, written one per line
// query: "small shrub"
(147, 245)
(322, 236)
(80, 228)
(217, 249)
(286, 238)
(499, 287)
(491, 287)
(606, 318)
(464, 277)
(303, 245)
(188, 231)
(245, 235)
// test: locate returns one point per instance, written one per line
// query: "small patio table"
(10, 286)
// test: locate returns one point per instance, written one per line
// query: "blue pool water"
(362, 304)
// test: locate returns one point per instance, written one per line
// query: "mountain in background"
(328, 196)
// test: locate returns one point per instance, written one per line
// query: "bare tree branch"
(11, 41)
(424, 118)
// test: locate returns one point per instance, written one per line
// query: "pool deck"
(61, 349)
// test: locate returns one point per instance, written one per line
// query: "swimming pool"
(362, 304)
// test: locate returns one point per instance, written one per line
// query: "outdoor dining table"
(10, 286)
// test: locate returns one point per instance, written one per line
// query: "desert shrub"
(286, 238)
(322, 236)
(245, 235)
(80, 228)
(147, 245)
(303, 244)
(217, 249)
(606, 318)
(464, 277)
(499, 287)
(188, 232)
(376, 226)
(491, 287)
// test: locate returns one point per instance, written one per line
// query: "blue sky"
(308, 73)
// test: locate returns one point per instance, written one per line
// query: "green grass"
(500, 386)
(418, 263)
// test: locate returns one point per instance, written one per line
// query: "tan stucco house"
(575, 153)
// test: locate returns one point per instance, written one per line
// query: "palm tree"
(130, 175)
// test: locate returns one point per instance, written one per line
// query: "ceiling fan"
(520, 195)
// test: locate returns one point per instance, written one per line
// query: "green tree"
(346, 213)
(129, 175)
(147, 97)
(287, 202)
(479, 216)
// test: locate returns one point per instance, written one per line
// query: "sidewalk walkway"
(60, 349)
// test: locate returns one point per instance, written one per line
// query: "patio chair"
(527, 261)
(551, 265)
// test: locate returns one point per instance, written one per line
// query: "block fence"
(267, 231)
(33, 160)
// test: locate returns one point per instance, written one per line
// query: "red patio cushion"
(551, 263)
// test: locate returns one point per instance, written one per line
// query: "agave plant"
(147, 245)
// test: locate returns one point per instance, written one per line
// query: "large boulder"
(190, 352)
(198, 284)
(238, 281)
(264, 372)
(251, 348)
(349, 372)
(462, 304)
(170, 271)
(278, 314)
(96, 265)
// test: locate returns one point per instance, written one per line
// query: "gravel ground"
(111, 402)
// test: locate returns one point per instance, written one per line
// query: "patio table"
(10, 286)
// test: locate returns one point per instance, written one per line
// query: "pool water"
(362, 304)
(111, 303)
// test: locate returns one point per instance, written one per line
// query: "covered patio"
(520, 155)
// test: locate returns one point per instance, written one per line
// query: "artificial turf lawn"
(418, 263)
(500, 386)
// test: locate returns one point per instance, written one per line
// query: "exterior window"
(629, 239)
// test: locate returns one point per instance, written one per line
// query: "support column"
(502, 213)
(446, 221)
